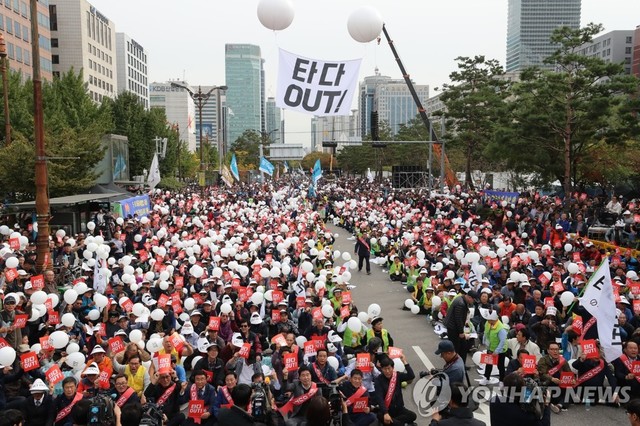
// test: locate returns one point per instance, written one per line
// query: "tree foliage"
(247, 149)
(310, 159)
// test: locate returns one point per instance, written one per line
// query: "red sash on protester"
(392, 389)
(319, 374)
(588, 325)
(591, 373)
(299, 400)
(125, 397)
(163, 398)
(557, 368)
(66, 410)
(627, 363)
(364, 243)
(227, 396)
(355, 396)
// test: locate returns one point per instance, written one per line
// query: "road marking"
(482, 413)
(423, 357)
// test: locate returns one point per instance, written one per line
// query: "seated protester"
(224, 397)
(165, 390)
(397, 270)
(200, 390)
(519, 316)
(388, 394)
(522, 341)
(623, 366)
(236, 413)
(626, 328)
(506, 307)
(38, 409)
(591, 374)
(536, 317)
(368, 377)
(549, 367)
(300, 393)
(213, 365)
(351, 341)
(378, 331)
(103, 362)
(64, 403)
(136, 374)
(88, 385)
(459, 412)
(321, 371)
(515, 365)
(633, 412)
(570, 344)
(12, 417)
(125, 394)
(547, 330)
(168, 348)
(317, 329)
(244, 368)
(249, 336)
(507, 411)
(352, 390)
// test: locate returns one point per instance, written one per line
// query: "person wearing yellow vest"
(376, 330)
(351, 341)
(495, 339)
(137, 375)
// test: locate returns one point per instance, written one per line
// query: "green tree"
(310, 159)
(247, 149)
(475, 107)
(559, 116)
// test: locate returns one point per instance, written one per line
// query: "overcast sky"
(186, 38)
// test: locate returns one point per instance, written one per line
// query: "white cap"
(255, 318)
(333, 337)
(236, 340)
(489, 314)
(92, 369)
(97, 349)
(551, 310)
(38, 386)
(187, 328)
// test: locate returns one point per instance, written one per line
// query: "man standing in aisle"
(363, 250)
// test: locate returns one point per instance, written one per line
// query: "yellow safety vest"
(385, 338)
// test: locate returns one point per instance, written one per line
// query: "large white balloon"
(257, 298)
(415, 309)
(327, 311)
(38, 297)
(276, 15)
(75, 360)
(7, 355)
(154, 345)
(374, 310)
(68, 320)
(59, 339)
(157, 314)
(225, 308)
(93, 314)
(354, 324)
(365, 24)
(135, 336)
(12, 262)
(333, 362)
(409, 303)
(436, 301)
(70, 296)
(566, 298)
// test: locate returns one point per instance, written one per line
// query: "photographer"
(353, 390)
(237, 414)
(262, 400)
(459, 413)
(388, 394)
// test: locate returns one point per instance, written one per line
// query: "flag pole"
(585, 287)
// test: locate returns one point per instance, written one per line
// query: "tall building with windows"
(244, 77)
(274, 125)
(614, 46)
(131, 60)
(178, 107)
(15, 25)
(635, 61)
(529, 28)
(84, 39)
(391, 98)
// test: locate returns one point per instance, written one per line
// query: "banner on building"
(510, 197)
(321, 88)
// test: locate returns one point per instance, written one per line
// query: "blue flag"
(234, 167)
(266, 166)
(317, 172)
(311, 192)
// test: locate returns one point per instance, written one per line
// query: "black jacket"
(457, 315)
(234, 416)
(44, 415)
(503, 413)
(461, 416)
(382, 385)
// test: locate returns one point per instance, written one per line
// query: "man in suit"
(38, 409)
(237, 414)
(388, 394)
(201, 390)
(363, 250)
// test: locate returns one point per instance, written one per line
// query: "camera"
(260, 402)
(101, 411)
(151, 415)
(333, 395)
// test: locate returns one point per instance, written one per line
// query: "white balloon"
(415, 309)
(276, 15)
(398, 365)
(68, 320)
(70, 296)
(354, 324)
(307, 266)
(566, 298)
(225, 308)
(7, 355)
(409, 303)
(55, 299)
(333, 362)
(257, 298)
(505, 320)
(12, 263)
(436, 301)
(138, 309)
(363, 317)
(573, 268)
(91, 226)
(59, 339)
(135, 336)
(327, 311)
(189, 303)
(365, 24)
(38, 297)
(300, 341)
(93, 314)
(75, 360)
(374, 310)
(72, 348)
(346, 256)
(154, 345)
(157, 314)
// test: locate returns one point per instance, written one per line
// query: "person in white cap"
(88, 385)
(547, 330)
(39, 408)
(98, 356)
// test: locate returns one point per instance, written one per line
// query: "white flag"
(99, 277)
(475, 277)
(154, 173)
(599, 301)
(369, 175)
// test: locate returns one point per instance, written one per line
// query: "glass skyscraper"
(530, 25)
(245, 90)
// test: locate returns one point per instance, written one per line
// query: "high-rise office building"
(244, 77)
(212, 118)
(529, 28)
(274, 123)
(635, 61)
(131, 59)
(178, 107)
(84, 39)
(391, 98)
(15, 25)
(614, 46)
(340, 128)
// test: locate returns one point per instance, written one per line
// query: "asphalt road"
(416, 337)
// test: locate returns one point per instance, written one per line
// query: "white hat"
(148, 300)
(266, 370)
(38, 386)
(452, 293)
(485, 290)
(97, 349)
(255, 319)
(28, 285)
(489, 314)
(187, 328)
(236, 340)
(92, 369)
(331, 347)
(226, 299)
(551, 310)
(333, 337)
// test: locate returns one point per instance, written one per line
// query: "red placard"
(116, 344)
(3, 343)
(242, 294)
(529, 364)
(20, 321)
(279, 339)
(54, 317)
(14, 243)
(244, 350)
(316, 313)
(360, 405)
(345, 312)
(558, 286)
(177, 342)
(162, 300)
(37, 282)
(177, 307)
(291, 361)
(29, 361)
(395, 352)
(310, 348)
(590, 349)
(300, 301)
(164, 363)
(566, 379)
(489, 359)
(635, 368)
(48, 304)
(127, 305)
(54, 375)
(363, 362)
(577, 324)
(45, 344)
(548, 302)
(10, 274)
(198, 299)
(277, 296)
(636, 306)
(103, 378)
(576, 256)
(102, 331)
(544, 279)
(346, 297)
(179, 281)
(275, 316)
(214, 323)
(196, 410)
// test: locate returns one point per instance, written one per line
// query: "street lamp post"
(200, 99)
(4, 69)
